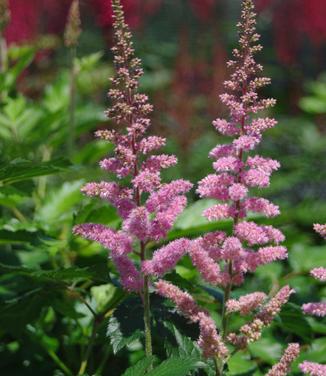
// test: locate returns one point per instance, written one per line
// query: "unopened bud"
(73, 25)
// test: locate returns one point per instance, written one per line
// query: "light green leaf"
(20, 169)
(174, 367)
(140, 368)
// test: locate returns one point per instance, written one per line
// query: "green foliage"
(60, 293)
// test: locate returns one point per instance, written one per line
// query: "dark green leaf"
(140, 368)
(175, 367)
(294, 321)
(20, 169)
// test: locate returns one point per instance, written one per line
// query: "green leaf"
(175, 367)
(97, 272)
(304, 258)
(27, 308)
(266, 349)
(192, 215)
(294, 321)
(140, 368)
(240, 364)
(20, 169)
(186, 347)
(117, 339)
(24, 56)
(60, 203)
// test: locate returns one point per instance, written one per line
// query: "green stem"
(147, 319)
(60, 363)
(72, 103)
(100, 368)
(85, 358)
(3, 53)
(227, 293)
(146, 303)
(217, 366)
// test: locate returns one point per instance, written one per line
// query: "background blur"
(184, 45)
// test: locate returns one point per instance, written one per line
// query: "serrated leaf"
(60, 203)
(117, 339)
(294, 321)
(20, 169)
(240, 364)
(174, 367)
(97, 272)
(140, 368)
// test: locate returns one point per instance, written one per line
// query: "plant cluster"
(125, 273)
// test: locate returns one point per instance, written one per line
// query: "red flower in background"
(135, 10)
(294, 20)
(30, 18)
(203, 9)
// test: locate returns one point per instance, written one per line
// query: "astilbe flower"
(313, 369)
(252, 331)
(316, 309)
(282, 368)
(237, 171)
(147, 206)
(209, 340)
(73, 27)
(223, 260)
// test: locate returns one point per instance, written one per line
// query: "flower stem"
(86, 355)
(72, 103)
(147, 319)
(217, 366)
(146, 303)
(3, 53)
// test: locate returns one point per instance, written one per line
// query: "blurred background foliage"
(62, 309)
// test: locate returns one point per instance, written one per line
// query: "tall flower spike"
(237, 170)
(209, 340)
(148, 208)
(316, 309)
(73, 26)
(283, 367)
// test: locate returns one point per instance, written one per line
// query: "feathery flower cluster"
(252, 331)
(313, 369)
(251, 244)
(147, 207)
(73, 27)
(316, 309)
(246, 303)
(283, 367)
(4, 14)
(224, 259)
(209, 340)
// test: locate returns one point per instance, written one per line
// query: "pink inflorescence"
(319, 273)
(209, 340)
(313, 369)
(246, 303)
(321, 229)
(252, 331)
(237, 170)
(317, 309)
(147, 207)
(282, 368)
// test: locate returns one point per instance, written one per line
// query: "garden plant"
(126, 253)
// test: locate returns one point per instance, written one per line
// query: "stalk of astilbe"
(4, 20)
(316, 309)
(148, 207)
(224, 259)
(71, 38)
(282, 368)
